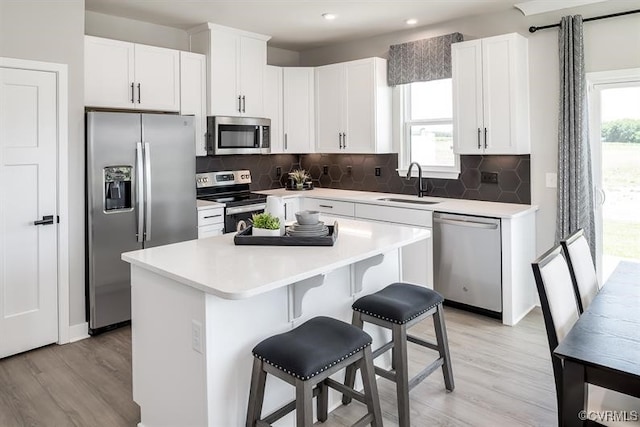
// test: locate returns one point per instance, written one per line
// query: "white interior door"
(28, 192)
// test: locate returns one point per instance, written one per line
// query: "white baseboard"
(78, 332)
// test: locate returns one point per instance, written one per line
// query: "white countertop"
(204, 204)
(217, 266)
(460, 206)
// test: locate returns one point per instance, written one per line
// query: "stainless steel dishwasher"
(467, 258)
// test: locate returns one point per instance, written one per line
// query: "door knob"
(46, 220)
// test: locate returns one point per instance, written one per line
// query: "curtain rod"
(595, 18)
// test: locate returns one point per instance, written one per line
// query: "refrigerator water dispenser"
(117, 188)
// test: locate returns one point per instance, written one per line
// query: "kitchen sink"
(414, 201)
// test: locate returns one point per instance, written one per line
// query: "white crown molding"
(535, 7)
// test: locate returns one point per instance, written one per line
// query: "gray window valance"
(422, 60)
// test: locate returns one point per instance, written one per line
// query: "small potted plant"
(299, 176)
(265, 224)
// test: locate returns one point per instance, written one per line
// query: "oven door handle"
(246, 208)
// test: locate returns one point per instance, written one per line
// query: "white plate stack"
(316, 230)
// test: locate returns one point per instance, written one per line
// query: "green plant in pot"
(265, 224)
(299, 176)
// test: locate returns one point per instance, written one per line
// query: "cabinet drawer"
(210, 216)
(417, 217)
(210, 230)
(333, 207)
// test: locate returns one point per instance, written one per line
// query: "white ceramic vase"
(263, 232)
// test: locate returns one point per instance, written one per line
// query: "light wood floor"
(502, 376)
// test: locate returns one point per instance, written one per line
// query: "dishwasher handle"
(459, 223)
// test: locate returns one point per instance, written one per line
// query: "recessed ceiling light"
(411, 21)
(329, 16)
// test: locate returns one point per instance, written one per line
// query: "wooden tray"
(245, 237)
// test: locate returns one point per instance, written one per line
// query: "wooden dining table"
(603, 347)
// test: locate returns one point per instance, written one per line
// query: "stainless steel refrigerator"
(141, 193)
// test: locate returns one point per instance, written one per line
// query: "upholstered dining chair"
(581, 267)
(560, 312)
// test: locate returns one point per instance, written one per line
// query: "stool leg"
(304, 403)
(350, 373)
(323, 402)
(402, 373)
(443, 347)
(256, 393)
(370, 387)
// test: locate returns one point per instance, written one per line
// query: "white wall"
(130, 30)
(609, 44)
(53, 31)
(282, 57)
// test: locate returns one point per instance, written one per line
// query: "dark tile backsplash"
(357, 172)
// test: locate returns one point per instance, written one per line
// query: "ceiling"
(298, 24)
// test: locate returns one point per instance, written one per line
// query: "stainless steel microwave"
(238, 135)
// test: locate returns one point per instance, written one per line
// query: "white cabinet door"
(491, 95)
(108, 73)
(298, 106)
(359, 132)
(466, 62)
(157, 76)
(273, 108)
(330, 106)
(291, 206)
(225, 88)
(193, 85)
(253, 60)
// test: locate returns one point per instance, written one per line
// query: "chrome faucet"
(421, 191)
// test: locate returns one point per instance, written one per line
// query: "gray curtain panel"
(422, 60)
(575, 180)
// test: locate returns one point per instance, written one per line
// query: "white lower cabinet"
(331, 207)
(210, 222)
(417, 258)
(291, 206)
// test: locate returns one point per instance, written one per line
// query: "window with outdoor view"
(428, 126)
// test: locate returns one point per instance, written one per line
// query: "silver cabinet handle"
(286, 143)
(46, 220)
(212, 216)
(479, 143)
(244, 104)
(466, 223)
(133, 95)
(326, 206)
(344, 140)
(147, 193)
(139, 94)
(139, 193)
(485, 138)
(239, 104)
(340, 140)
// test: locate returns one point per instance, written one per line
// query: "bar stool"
(305, 357)
(398, 307)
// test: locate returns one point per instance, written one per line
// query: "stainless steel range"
(232, 189)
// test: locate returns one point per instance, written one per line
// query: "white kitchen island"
(199, 307)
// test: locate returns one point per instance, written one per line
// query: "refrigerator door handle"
(147, 192)
(139, 194)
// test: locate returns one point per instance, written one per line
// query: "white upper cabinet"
(298, 110)
(193, 84)
(491, 95)
(236, 69)
(353, 107)
(127, 75)
(273, 108)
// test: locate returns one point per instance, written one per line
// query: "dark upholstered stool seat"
(398, 307)
(398, 302)
(306, 357)
(312, 347)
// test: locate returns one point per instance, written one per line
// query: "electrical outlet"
(349, 170)
(489, 177)
(378, 171)
(551, 180)
(196, 336)
(325, 170)
(278, 171)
